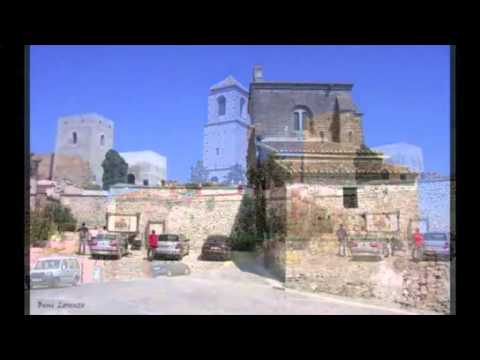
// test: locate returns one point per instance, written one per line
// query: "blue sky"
(157, 95)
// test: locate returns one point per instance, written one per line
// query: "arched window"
(350, 137)
(301, 117)
(102, 140)
(242, 105)
(74, 137)
(131, 179)
(322, 136)
(221, 105)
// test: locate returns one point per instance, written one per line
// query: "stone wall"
(311, 210)
(90, 209)
(72, 168)
(194, 213)
(45, 166)
(309, 215)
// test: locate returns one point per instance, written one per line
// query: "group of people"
(87, 235)
(342, 236)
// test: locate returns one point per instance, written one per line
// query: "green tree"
(41, 227)
(115, 169)
(60, 216)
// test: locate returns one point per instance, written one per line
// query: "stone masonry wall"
(89, 209)
(194, 213)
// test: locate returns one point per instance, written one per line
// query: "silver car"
(437, 245)
(369, 246)
(108, 244)
(172, 245)
(54, 271)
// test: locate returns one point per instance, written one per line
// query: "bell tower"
(225, 134)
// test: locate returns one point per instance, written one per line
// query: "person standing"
(83, 237)
(342, 240)
(417, 251)
(152, 245)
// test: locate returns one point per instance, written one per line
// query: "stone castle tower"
(226, 133)
(81, 144)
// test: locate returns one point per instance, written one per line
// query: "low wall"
(194, 213)
(87, 208)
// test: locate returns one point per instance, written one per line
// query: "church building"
(226, 132)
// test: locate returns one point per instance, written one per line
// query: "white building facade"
(145, 167)
(226, 132)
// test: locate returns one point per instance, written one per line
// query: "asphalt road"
(226, 291)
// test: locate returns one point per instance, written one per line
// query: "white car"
(54, 271)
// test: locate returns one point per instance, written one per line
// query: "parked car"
(54, 271)
(110, 244)
(436, 244)
(370, 245)
(169, 268)
(172, 246)
(216, 247)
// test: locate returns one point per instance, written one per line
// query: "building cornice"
(226, 88)
(301, 86)
(229, 122)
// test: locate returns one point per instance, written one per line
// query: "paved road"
(225, 291)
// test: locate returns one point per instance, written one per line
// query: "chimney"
(257, 73)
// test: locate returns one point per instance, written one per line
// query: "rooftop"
(86, 117)
(314, 147)
(315, 167)
(229, 81)
(302, 85)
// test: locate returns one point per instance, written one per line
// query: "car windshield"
(166, 237)
(435, 237)
(105, 237)
(47, 264)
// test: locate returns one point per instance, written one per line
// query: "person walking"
(83, 237)
(152, 245)
(342, 240)
(417, 251)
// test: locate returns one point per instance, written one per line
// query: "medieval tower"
(83, 140)
(225, 134)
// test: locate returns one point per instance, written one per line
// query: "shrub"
(41, 227)
(43, 223)
(243, 242)
(60, 215)
(67, 227)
